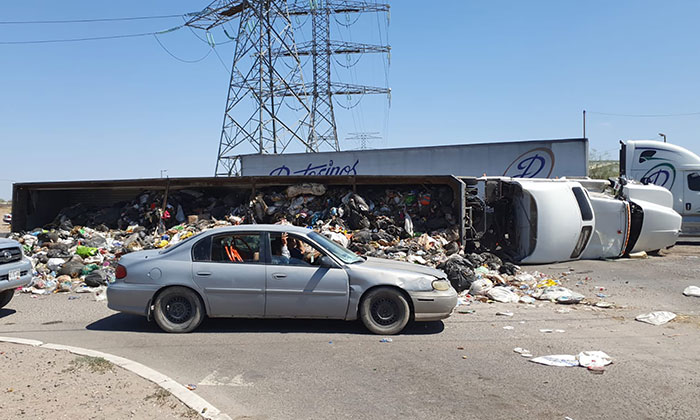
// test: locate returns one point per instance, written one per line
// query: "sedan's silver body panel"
(261, 289)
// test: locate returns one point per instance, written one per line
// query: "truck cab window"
(583, 204)
(694, 181)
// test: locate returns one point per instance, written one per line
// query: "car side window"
(236, 248)
(201, 251)
(293, 250)
(694, 181)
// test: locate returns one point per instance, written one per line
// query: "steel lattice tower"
(267, 73)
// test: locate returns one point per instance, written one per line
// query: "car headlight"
(441, 285)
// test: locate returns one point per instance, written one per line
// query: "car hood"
(378, 271)
(8, 242)
(398, 267)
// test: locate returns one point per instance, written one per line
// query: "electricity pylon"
(267, 105)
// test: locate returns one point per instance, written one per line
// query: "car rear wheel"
(5, 297)
(178, 310)
(385, 311)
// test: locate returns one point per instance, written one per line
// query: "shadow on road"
(136, 323)
(6, 312)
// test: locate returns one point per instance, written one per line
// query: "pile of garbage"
(485, 277)
(80, 249)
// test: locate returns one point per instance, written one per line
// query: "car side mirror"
(327, 262)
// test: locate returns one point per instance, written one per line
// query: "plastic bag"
(560, 360)
(689, 291)
(503, 294)
(656, 318)
(593, 359)
(480, 286)
(558, 294)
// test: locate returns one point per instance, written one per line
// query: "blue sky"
(460, 72)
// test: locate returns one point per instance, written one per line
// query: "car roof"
(262, 228)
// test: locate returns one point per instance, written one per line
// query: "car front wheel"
(178, 310)
(385, 311)
(5, 297)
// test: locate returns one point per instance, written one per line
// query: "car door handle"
(279, 275)
(203, 273)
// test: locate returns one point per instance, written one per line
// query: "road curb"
(189, 398)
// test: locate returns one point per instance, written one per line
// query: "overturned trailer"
(37, 204)
(520, 220)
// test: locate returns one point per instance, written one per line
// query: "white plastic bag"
(561, 360)
(480, 286)
(656, 318)
(692, 291)
(54, 264)
(593, 359)
(558, 294)
(502, 294)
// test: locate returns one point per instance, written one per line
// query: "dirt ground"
(4, 209)
(40, 383)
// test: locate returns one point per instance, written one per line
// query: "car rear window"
(583, 204)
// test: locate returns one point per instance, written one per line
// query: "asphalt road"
(281, 369)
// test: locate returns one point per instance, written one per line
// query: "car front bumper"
(433, 305)
(131, 298)
(25, 268)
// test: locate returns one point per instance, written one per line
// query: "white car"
(7, 218)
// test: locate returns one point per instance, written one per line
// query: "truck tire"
(5, 297)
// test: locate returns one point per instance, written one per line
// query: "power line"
(645, 115)
(96, 38)
(41, 22)
(178, 58)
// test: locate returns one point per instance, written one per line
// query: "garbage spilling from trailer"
(79, 251)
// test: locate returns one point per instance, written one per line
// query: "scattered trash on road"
(558, 294)
(386, 340)
(587, 359)
(503, 294)
(523, 352)
(593, 359)
(656, 318)
(692, 291)
(561, 360)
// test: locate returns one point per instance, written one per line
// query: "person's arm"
(285, 251)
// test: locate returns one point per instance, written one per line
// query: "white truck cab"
(667, 165)
(535, 220)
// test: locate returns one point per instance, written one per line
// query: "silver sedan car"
(274, 271)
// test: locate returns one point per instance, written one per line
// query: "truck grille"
(8, 255)
(7, 276)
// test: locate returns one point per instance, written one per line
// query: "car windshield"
(342, 253)
(179, 244)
